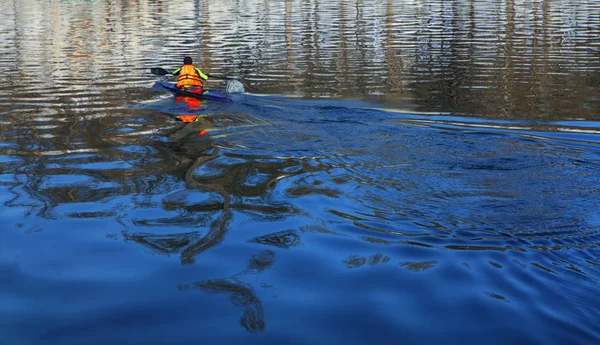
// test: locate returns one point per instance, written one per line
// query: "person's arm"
(202, 75)
(176, 72)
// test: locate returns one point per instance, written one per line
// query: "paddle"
(159, 71)
(233, 84)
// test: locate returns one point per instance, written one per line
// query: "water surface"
(415, 172)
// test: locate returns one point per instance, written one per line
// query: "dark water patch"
(284, 239)
(359, 261)
(418, 266)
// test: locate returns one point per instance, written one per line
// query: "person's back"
(189, 75)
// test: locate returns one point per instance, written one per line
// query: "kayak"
(212, 95)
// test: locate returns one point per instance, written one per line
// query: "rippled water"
(413, 172)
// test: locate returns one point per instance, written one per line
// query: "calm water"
(398, 172)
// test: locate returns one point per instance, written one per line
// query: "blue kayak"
(212, 95)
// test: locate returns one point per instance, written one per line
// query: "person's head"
(187, 60)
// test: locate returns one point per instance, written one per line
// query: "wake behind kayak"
(212, 95)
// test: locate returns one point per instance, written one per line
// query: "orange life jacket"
(188, 77)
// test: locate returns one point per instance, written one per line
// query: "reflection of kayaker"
(190, 76)
(194, 125)
(187, 118)
(191, 102)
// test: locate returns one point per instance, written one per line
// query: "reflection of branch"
(218, 228)
(217, 232)
(242, 296)
(163, 244)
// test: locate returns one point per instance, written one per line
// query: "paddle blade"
(159, 71)
(234, 86)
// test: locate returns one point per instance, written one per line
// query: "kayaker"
(189, 75)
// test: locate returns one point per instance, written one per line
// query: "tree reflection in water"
(241, 293)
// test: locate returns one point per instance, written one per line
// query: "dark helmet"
(187, 60)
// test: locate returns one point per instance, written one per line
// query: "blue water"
(396, 172)
(296, 221)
